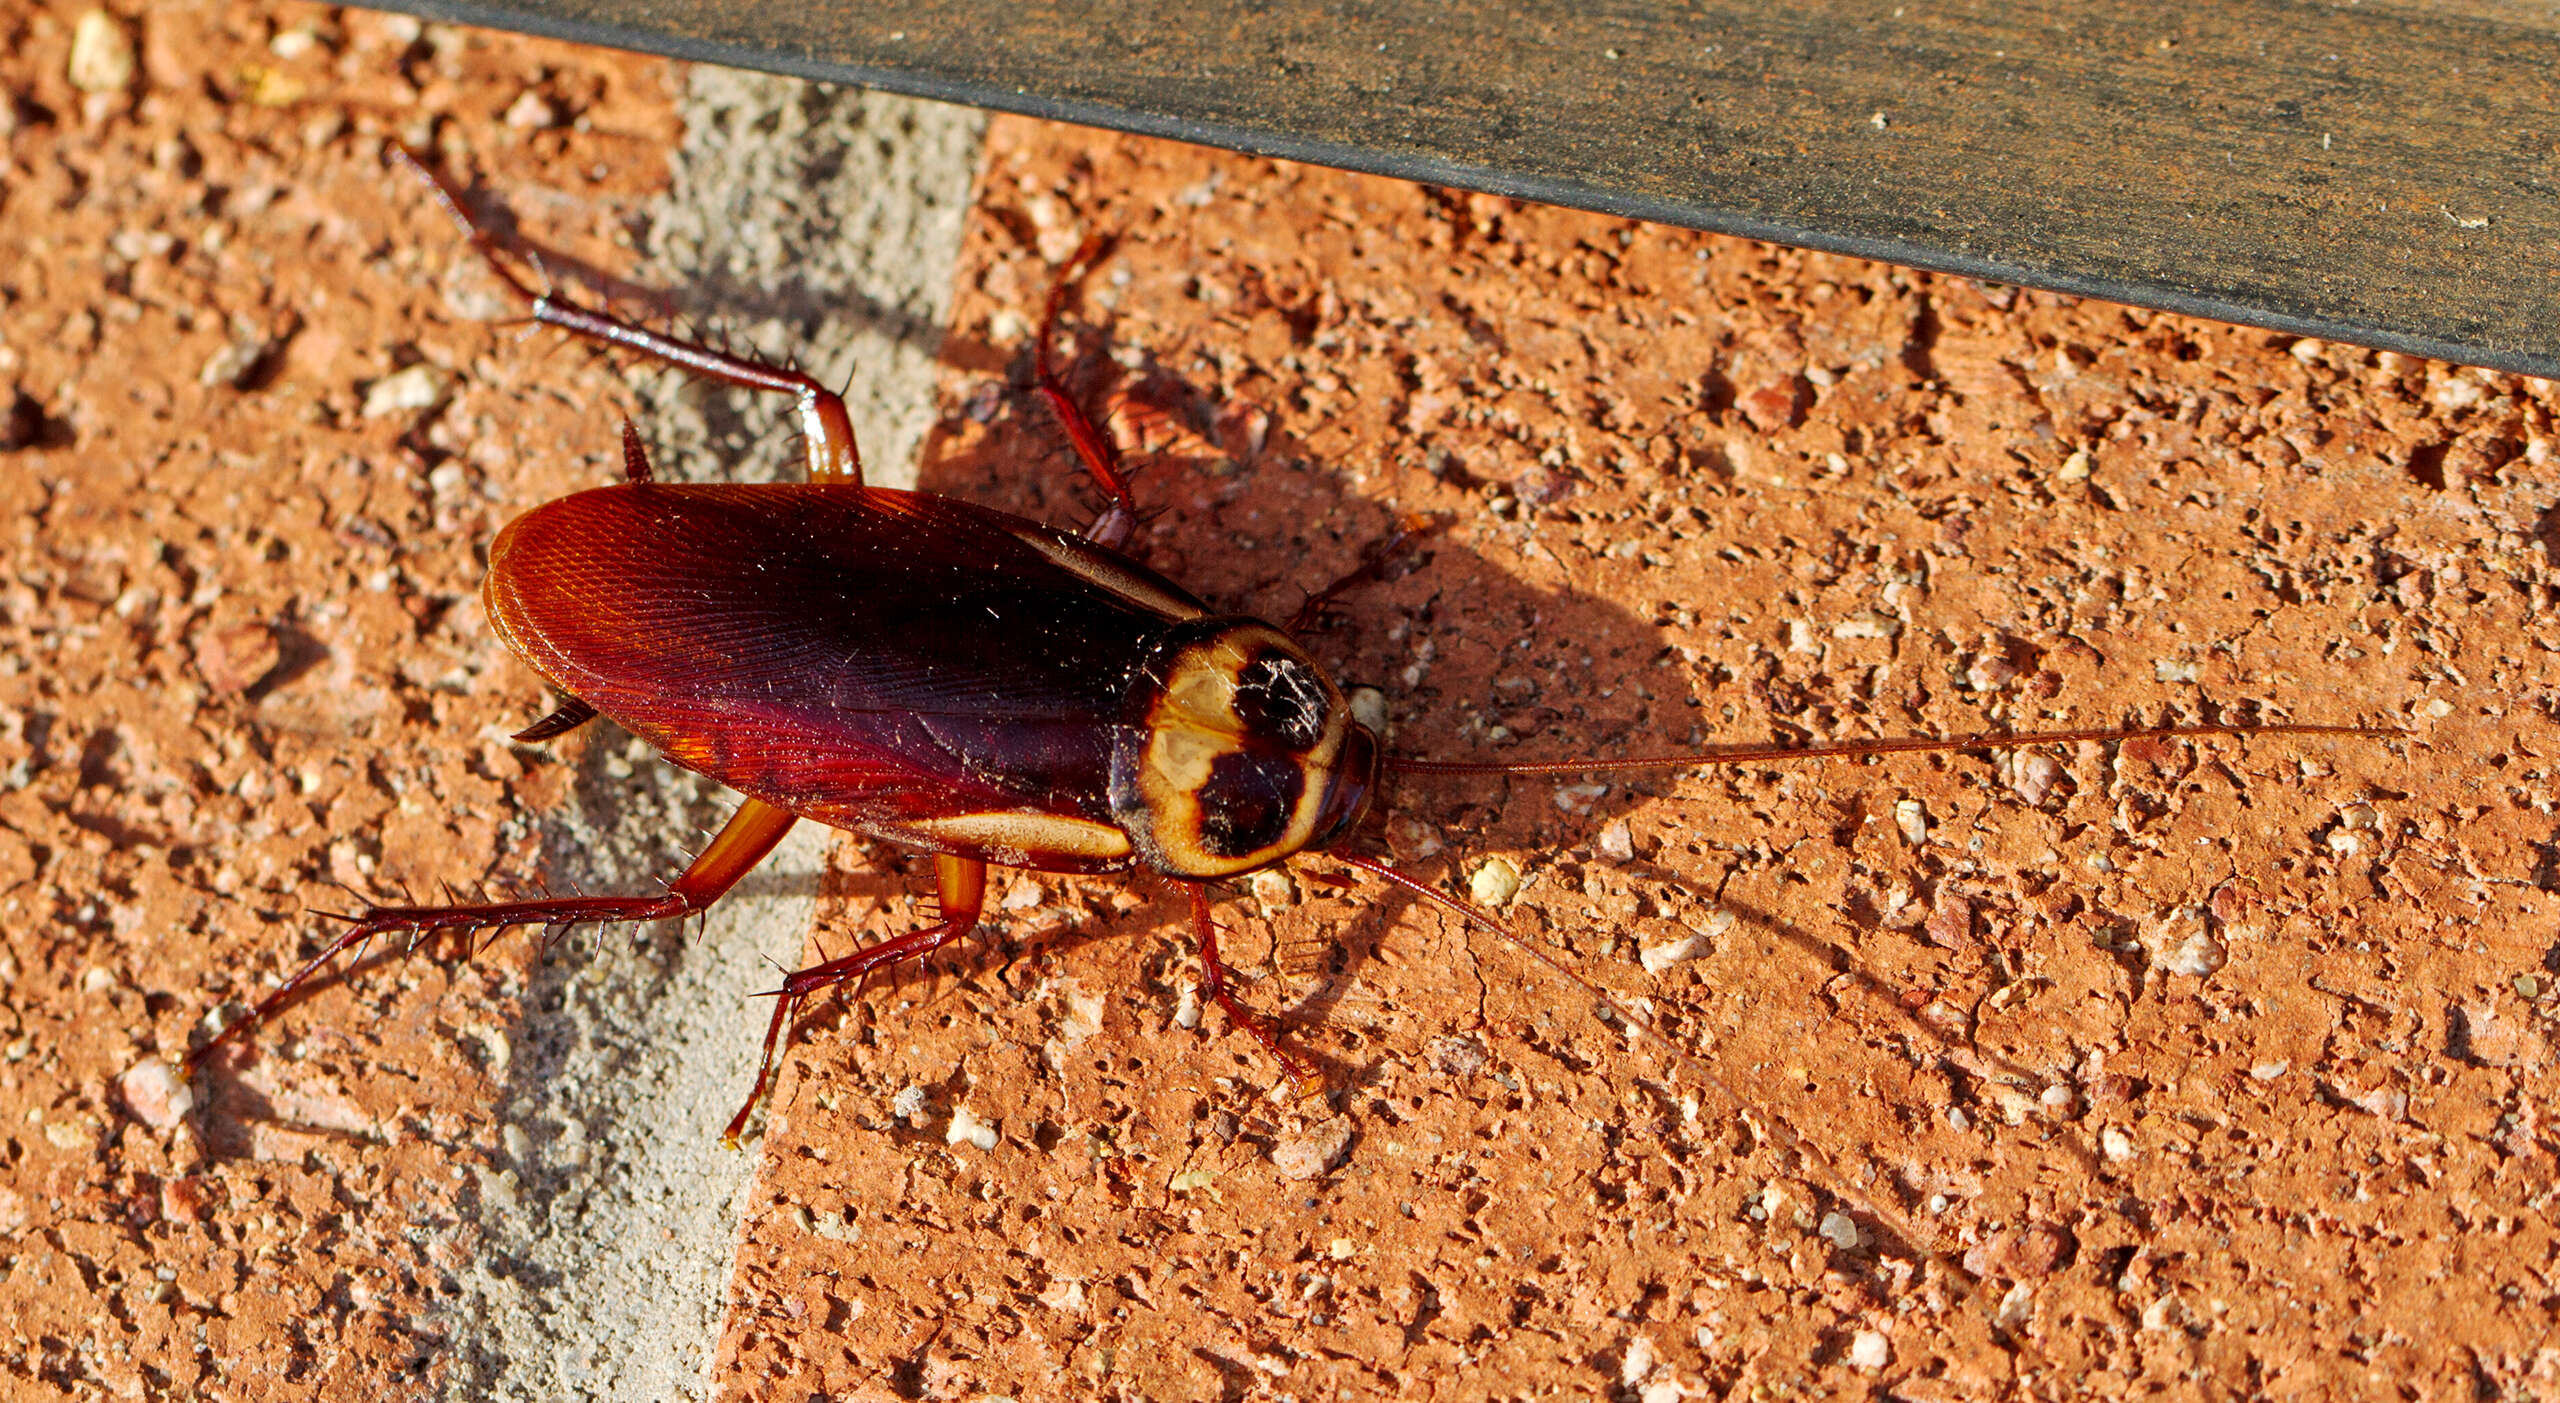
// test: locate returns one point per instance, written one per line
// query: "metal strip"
(2386, 174)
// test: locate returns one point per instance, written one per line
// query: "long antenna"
(1476, 915)
(1890, 745)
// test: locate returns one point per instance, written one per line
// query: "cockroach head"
(1240, 752)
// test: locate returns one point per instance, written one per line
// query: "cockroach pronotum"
(981, 686)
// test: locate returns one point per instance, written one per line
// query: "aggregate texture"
(2188, 1068)
(269, 413)
(257, 461)
(2194, 1068)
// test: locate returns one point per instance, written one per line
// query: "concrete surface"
(811, 225)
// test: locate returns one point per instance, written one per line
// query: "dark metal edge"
(1425, 170)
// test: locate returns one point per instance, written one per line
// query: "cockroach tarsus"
(825, 648)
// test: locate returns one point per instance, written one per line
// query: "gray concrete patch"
(804, 222)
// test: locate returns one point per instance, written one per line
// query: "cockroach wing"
(890, 661)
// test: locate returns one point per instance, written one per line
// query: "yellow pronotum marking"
(1194, 723)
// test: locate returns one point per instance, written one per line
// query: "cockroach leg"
(570, 715)
(828, 429)
(1100, 454)
(960, 883)
(1411, 527)
(742, 843)
(635, 459)
(1213, 982)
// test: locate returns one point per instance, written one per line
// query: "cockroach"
(990, 689)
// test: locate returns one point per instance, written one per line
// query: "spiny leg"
(962, 884)
(1410, 528)
(564, 718)
(1213, 982)
(1100, 454)
(742, 843)
(824, 423)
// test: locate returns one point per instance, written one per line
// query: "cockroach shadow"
(1301, 529)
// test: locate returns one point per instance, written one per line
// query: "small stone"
(1495, 883)
(1412, 840)
(1640, 1362)
(1457, 1056)
(1989, 672)
(1841, 1230)
(531, 111)
(967, 1128)
(1577, 799)
(2198, 955)
(1867, 624)
(232, 659)
(101, 53)
(293, 43)
(234, 364)
(1870, 1350)
(1369, 708)
(1273, 890)
(420, 387)
(2388, 1102)
(2032, 778)
(1319, 1149)
(78, 1136)
(1024, 894)
(156, 1094)
(1617, 842)
(1912, 817)
(2016, 1307)
(1657, 958)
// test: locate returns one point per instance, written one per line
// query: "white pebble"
(101, 53)
(1617, 842)
(965, 1126)
(421, 386)
(1496, 881)
(1841, 1229)
(156, 1094)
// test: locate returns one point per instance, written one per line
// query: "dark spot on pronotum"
(1246, 804)
(1280, 699)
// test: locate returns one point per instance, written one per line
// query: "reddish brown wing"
(862, 656)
